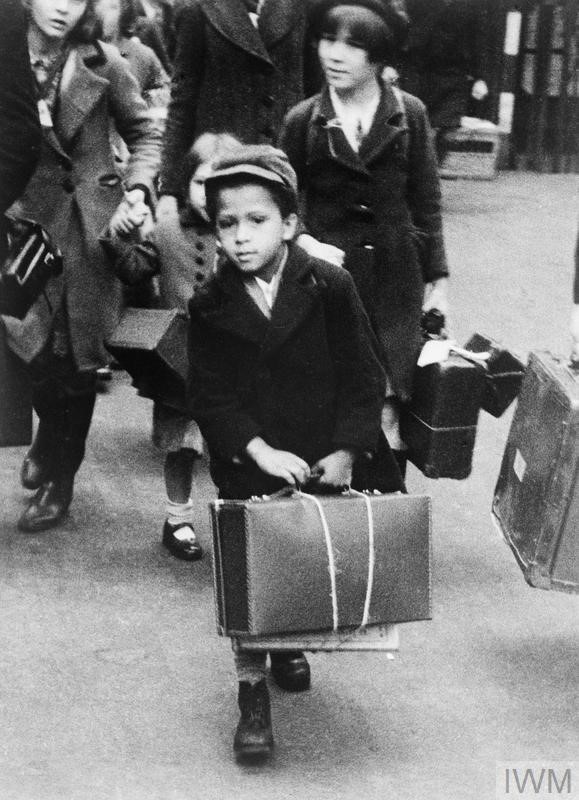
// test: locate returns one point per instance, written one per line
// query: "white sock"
(179, 513)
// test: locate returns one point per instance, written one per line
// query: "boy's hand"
(335, 470)
(278, 463)
(317, 249)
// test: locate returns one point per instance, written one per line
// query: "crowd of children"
(297, 366)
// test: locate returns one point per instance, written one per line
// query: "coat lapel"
(232, 21)
(236, 312)
(298, 292)
(80, 90)
(388, 125)
(330, 139)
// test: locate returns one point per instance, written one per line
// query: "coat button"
(268, 101)
(68, 185)
(200, 277)
(199, 261)
(200, 245)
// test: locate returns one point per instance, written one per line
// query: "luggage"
(503, 374)
(31, 261)
(320, 563)
(15, 398)
(151, 344)
(536, 502)
(439, 423)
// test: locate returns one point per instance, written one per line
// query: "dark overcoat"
(381, 206)
(307, 381)
(74, 193)
(228, 76)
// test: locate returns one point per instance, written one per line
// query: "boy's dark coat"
(307, 381)
(382, 206)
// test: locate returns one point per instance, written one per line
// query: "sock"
(179, 513)
(250, 665)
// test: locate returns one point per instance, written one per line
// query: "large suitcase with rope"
(303, 563)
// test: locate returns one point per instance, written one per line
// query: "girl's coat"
(381, 205)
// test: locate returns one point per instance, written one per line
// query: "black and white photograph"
(289, 399)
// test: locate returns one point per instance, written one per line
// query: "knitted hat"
(260, 161)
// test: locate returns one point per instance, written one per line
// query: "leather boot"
(50, 407)
(51, 502)
(291, 671)
(48, 506)
(254, 734)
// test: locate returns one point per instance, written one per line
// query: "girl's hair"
(85, 30)
(206, 148)
(366, 27)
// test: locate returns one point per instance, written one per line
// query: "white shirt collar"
(354, 119)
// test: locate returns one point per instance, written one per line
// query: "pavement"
(115, 686)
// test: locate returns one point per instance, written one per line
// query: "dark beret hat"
(391, 12)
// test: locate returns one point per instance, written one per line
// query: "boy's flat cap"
(258, 161)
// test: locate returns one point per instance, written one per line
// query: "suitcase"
(536, 501)
(15, 398)
(151, 344)
(279, 570)
(503, 374)
(439, 423)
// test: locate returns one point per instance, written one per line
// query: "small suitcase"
(503, 374)
(15, 398)
(536, 502)
(439, 424)
(151, 344)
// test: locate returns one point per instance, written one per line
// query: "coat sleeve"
(214, 401)
(424, 195)
(133, 122)
(361, 380)
(20, 134)
(188, 73)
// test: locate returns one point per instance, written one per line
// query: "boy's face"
(345, 62)
(252, 230)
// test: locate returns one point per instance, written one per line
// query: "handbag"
(31, 260)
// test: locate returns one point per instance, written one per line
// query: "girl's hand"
(278, 463)
(317, 249)
(130, 214)
(334, 471)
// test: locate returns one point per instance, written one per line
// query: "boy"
(285, 383)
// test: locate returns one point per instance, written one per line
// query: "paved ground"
(114, 685)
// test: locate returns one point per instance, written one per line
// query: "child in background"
(367, 171)
(185, 247)
(285, 383)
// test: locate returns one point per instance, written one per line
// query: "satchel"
(31, 261)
